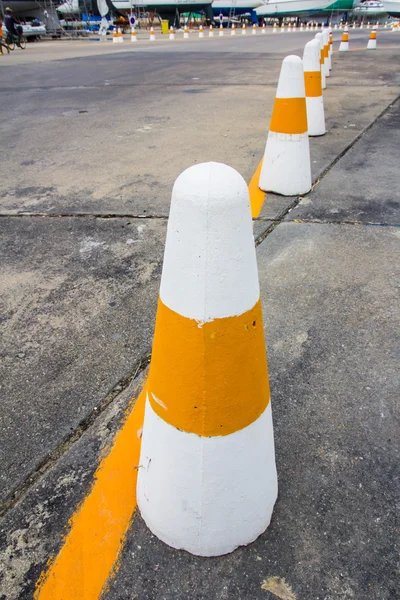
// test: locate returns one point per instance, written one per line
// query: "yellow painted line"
(98, 528)
(257, 196)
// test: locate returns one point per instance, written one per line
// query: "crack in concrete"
(54, 455)
(83, 215)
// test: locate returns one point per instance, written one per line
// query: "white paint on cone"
(207, 495)
(314, 104)
(190, 286)
(319, 37)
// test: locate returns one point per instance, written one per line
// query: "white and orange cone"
(233, 31)
(201, 32)
(313, 88)
(354, 25)
(344, 44)
(263, 28)
(133, 36)
(185, 33)
(289, 28)
(335, 26)
(294, 28)
(320, 38)
(368, 25)
(120, 36)
(346, 28)
(301, 27)
(207, 479)
(254, 29)
(282, 28)
(211, 31)
(244, 29)
(372, 41)
(221, 31)
(307, 27)
(325, 34)
(286, 167)
(330, 48)
(152, 36)
(115, 36)
(171, 33)
(361, 25)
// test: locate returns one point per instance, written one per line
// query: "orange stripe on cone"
(313, 83)
(186, 383)
(289, 116)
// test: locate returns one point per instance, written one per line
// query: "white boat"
(282, 8)
(392, 7)
(236, 7)
(74, 7)
(370, 8)
(31, 30)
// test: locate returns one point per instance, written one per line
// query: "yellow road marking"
(99, 526)
(257, 196)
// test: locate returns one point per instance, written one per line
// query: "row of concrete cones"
(207, 480)
(118, 37)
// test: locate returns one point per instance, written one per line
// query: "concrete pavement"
(81, 289)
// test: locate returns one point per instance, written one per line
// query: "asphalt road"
(93, 138)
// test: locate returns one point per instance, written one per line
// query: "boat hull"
(392, 7)
(292, 7)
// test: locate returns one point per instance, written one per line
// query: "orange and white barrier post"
(289, 28)
(282, 28)
(368, 25)
(344, 44)
(201, 32)
(171, 33)
(120, 36)
(207, 479)
(319, 37)
(221, 31)
(313, 87)
(301, 26)
(372, 41)
(211, 31)
(335, 26)
(243, 29)
(354, 25)
(133, 36)
(233, 30)
(325, 34)
(361, 24)
(115, 36)
(152, 36)
(185, 33)
(330, 48)
(254, 29)
(286, 167)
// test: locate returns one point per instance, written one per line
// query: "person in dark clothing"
(11, 24)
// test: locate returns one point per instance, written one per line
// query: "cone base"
(286, 167)
(315, 116)
(207, 495)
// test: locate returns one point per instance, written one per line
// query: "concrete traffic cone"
(289, 28)
(294, 28)
(115, 36)
(340, 25)
(152, 36)
(313, 87)
(325, 34)
(301, 26)
(207, 479)
(243, 29)
(120, 36)
(319, 37)
(282, 28)
(335, 26)
(221, 31)
(330, 48)
(201, 32)
(233, 31)
(354, 25)
(368, 25)
(286, 167)
(307, 27)
(185, 33)
(211, 32)
(254, 29)
(171, 33)
(133, 36)
(372, 41)
(361, 25)
(344, 44)
(263, 28)
(346, 28)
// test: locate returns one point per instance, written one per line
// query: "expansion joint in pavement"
(56, 454)
(83, 215)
